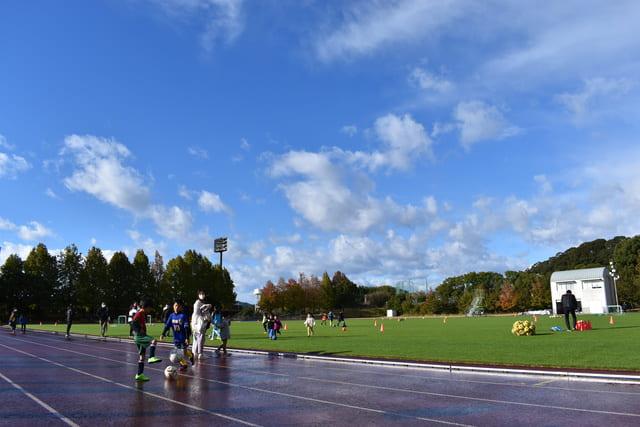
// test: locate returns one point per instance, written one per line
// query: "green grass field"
(468, 340)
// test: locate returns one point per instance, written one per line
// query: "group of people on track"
(183, 329)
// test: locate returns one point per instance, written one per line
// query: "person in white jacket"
(310, 322)
(200, 320)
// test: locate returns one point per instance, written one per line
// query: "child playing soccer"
(142, 340)
(225, 333)
(179, 324)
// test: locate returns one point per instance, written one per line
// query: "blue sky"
(388, 140)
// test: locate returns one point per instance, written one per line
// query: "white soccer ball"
(171, 373)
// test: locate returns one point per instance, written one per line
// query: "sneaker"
(217, 352)
(154, 360)
(142, 377)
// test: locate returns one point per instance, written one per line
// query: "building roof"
(583, 274)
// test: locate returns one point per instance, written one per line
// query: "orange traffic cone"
(611, 321)
(375, 323)
(382, 327)
(286, 328)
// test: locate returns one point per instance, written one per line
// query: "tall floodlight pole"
(614, 275)
(220, 245)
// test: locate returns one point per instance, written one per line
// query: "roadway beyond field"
(46, 380)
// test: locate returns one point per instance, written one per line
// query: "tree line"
(508, 292)
(43, 285)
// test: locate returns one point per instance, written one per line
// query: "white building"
(592, 287)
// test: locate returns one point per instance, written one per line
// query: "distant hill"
(596, 253)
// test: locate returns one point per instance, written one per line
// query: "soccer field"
(486, 340)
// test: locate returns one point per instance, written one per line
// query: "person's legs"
(573, 315)
(566, 320)
(24, 328)
(68, 328)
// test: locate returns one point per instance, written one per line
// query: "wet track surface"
(46, 380)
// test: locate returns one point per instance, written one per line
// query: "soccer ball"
(171, 373)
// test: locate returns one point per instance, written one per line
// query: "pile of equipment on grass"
(523, 328)
(583, 325)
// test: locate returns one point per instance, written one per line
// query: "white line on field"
(255, 389)
(39, 402)
(197, 408)
(395, 374)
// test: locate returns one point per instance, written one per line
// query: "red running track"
(47, 380)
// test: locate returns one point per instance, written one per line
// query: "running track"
(46, 380)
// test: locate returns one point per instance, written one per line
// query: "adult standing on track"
(70, 314)
(199, 324)
(103, 317)
(132, 312)
(569, 306)
(22, 319)
(13, 319)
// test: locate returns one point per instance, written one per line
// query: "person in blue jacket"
(178, 323)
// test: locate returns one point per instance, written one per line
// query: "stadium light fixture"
(219, 246)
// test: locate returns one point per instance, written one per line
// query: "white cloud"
(317, 190)
(198, 152)
(428, 81)
(369, 26)
(11, 165)
(404, 142)
(349, 130)
(51, 194)
(10, 248)
(172, 222)
(244, 144)
(545, 184)
(567, 39)
(5, 144)
(100, 172)
(595, 91)
(479, 121)
(224, 20)
(185, 193)
(5, 224)
(33, 231)
(211, 202)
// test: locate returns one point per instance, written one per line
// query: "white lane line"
(541, 383)
(479, 399)
(64, 419)
(148, 393)
(536, 386)
(256, 389)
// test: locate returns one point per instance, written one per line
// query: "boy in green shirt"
(142, 340)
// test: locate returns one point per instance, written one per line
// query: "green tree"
(328, 292)
(143, 279)
(13, 284)
(70, 265)
(41, 273)
(93, 284)
(121, 291)
(627, 261)
(345, 290)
